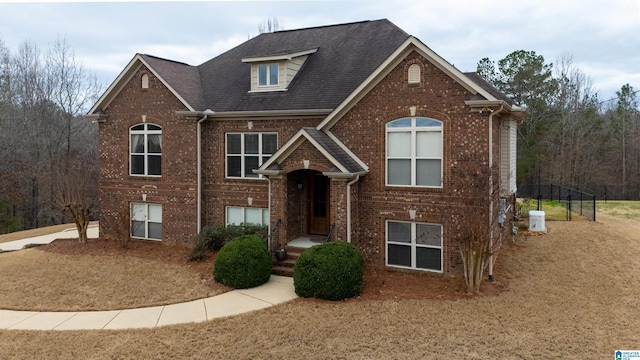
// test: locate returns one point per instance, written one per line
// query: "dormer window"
(268, 74)
(275, 72)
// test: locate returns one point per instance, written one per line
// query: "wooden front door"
(319, 199)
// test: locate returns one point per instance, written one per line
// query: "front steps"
(285, 268)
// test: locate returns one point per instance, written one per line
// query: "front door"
(319, 204)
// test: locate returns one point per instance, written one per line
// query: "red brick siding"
(465, 135)
(176, 188)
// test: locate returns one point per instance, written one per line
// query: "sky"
(602, 36)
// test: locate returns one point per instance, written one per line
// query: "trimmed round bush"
(243, 262)
(331, 271)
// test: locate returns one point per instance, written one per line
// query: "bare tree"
(73, 196)
(269, 25)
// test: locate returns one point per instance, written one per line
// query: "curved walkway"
(277, 290)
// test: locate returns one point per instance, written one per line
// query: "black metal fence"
(576, 201)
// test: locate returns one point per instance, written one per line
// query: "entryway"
(319, 195)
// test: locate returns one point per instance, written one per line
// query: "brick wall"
(465, 135)
(175, 190)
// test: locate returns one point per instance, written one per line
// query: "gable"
(310, 143)
(410, 45)
(182, 77)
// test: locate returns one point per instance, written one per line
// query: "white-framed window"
(146, 221)
(145, 150)
(414, 152)
(237, 215)
(268, 74)
(247, 151)
(412, 245)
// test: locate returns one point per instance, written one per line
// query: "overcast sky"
(602, 35)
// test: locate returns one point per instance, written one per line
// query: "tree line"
(571, 137)
(48, 151)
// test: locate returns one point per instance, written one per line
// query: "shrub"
(216, 236)
(243, 262)
(199, 250)
(331, 271)
(213, 237)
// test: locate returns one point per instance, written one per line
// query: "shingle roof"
(337, 152)
(347, 54)
(488, 87)
(183, 78)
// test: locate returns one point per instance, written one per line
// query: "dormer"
(275, 72)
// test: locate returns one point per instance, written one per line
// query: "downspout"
(349, 206)
(269, 207)
(206, 114)
(495, 112)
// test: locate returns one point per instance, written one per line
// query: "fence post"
(594, 206)
(569, 207)
(539, 202)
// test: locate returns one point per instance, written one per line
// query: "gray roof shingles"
(347, 54)
(337, 152)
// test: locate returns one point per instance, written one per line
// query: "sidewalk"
(92, 232)
(277, 290)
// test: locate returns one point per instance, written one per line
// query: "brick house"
(357, 131)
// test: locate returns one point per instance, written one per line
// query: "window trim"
(243, 155)
(413, 129)
(145, 132)
(244, 214)
(146, 221)
(413, 246)
(268, 67)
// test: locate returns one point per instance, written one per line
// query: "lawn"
(571, 293)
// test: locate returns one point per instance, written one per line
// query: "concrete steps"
(285, 267)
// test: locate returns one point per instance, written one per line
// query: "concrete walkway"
(92, 233)
(277, 290)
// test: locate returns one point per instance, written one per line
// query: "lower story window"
(146, 221)
(246, 215)
(414, 245)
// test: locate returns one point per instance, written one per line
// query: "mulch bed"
(379, 284)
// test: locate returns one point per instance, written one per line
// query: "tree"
(269, 25)
(73, 195)
(625, 125)
(527, 79)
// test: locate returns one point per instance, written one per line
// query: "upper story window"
(414, 152)
(247, 151)
(268, 74)
(145, 150)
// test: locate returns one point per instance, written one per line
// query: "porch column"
(277, 207)
(338, 209)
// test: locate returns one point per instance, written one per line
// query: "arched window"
(414, 74)
(145, 150)
(145, 81)
(414, 152)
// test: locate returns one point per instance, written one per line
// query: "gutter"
(246, 115)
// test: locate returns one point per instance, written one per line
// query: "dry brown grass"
(572, 294)
(48, 281)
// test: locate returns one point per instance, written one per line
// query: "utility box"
(536, 221)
